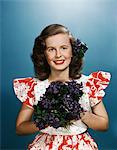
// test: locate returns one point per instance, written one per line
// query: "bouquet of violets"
(59, 105)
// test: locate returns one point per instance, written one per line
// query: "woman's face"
(58, 51)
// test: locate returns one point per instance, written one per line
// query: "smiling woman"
(64, 102)
(58, 53)
(53, 49)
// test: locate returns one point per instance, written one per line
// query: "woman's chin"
(60, 68)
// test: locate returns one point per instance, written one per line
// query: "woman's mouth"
(59, 62)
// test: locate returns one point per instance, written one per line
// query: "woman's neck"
(59, 76)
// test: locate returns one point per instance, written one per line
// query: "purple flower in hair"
(79, 48)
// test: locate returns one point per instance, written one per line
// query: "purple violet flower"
(59, 105)
(79, 48)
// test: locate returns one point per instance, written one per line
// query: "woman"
(56, 58)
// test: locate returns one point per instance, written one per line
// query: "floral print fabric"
(63, 142)
(29, 90)
(96, 84)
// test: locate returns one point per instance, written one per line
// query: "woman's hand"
(97, 119)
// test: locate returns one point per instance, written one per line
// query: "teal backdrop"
(93, 21)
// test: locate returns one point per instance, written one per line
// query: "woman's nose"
(58, 53)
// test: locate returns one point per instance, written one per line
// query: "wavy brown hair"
(41, 66)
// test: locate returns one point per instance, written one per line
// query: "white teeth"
(59, 61)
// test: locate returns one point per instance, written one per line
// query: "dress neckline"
(49, 82)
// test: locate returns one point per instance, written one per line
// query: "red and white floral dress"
(75, 137)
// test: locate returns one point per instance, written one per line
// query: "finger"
(82, 114)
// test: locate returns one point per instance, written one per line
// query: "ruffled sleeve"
(96, 83)
(24, 90)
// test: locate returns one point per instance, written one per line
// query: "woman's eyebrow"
(50, 47)
(65, 45)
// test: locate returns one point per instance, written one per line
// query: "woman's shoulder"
(27, 89)
(95, 83)
(23, 80)
(28, 80)
(28, 83)
(99, 75)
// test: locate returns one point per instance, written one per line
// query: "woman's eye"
(64, 48)
(50, 49)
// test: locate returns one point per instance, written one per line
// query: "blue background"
(93, 21)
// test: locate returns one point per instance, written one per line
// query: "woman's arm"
(98, 119)
(24, 125)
